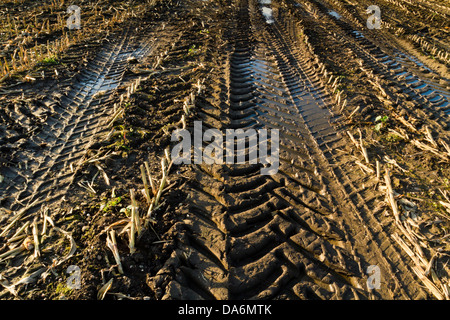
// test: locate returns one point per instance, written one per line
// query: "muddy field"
(93, 206)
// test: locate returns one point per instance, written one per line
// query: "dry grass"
(33, 33)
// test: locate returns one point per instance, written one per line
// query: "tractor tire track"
(248, 236)
(360, 201)
(380, 61)
(307, 232)
(74, 119)
(341, 182)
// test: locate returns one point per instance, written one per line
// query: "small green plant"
(61, 289)
(392, 137)
(49, 61)
(121, 139)
(380, 122)
(123, 133)
(193, 50)
(112, 203)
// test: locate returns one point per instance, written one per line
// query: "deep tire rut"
(249, 236)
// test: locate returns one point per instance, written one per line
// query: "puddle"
(428, 92)
(414, 80)
(358, 34)
(419, 83)
(408, 58)
(402, 73)
(437, 98)
(420, 86)
(261, 65)
(444, 105)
